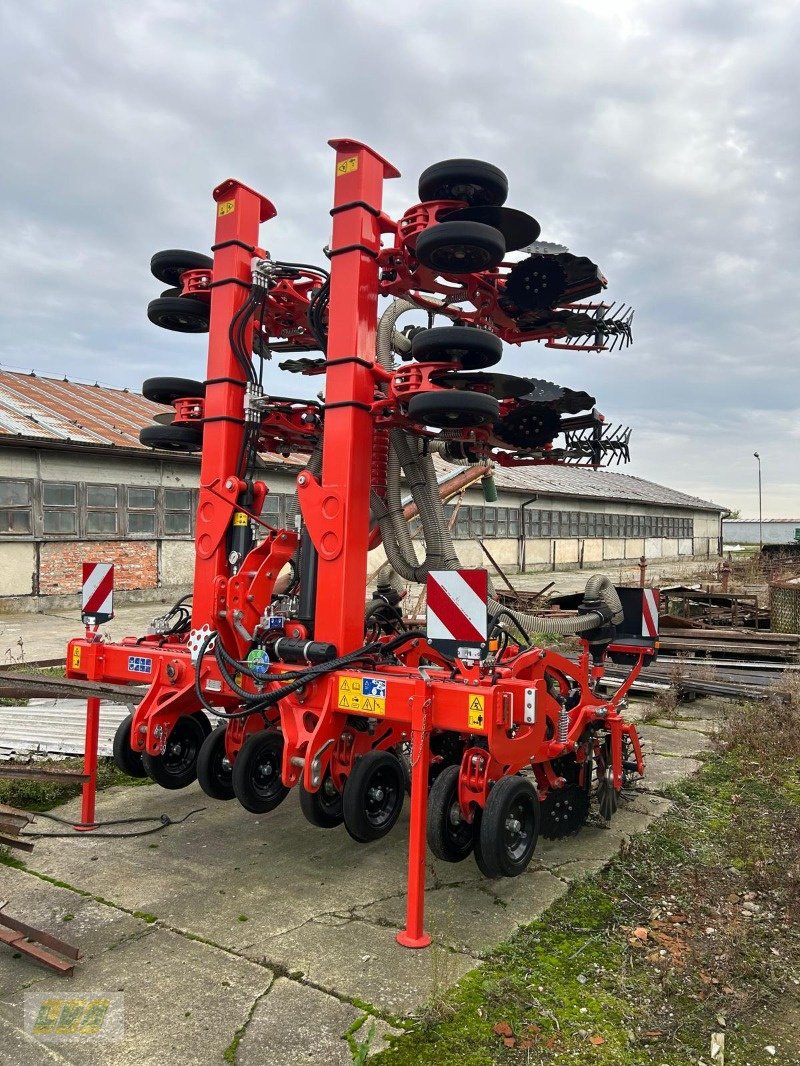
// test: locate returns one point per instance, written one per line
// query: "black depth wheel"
(373, 796)
(167, 266)
(257, 780)
(471, 349)
(484, 863)
(168, 390)
(183, 314)
(564, 811)
(450, 837)
(322, 808)
(172, 438)
(453, 409)
(471, 180)
(460, 248)
(125, 758)
(177, 767)
(214, 772)
(510, 826)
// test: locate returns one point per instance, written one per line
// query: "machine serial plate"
(365, 694)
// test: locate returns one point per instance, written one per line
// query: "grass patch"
(693, 929)
(44, 795)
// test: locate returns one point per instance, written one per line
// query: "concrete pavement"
(266, 937)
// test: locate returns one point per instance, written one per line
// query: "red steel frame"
(318, 733)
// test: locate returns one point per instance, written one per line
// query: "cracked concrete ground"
(271, 939)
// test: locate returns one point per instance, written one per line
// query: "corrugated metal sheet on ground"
(55, 727)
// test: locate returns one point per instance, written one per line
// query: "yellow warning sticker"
(347, 166)
(76, 658)
(240, 518)
(359, 694)
(226, 207)
(476, 716)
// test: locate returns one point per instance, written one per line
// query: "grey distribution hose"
(405, 455)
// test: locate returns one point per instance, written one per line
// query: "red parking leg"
(414, 935)
(87, 821)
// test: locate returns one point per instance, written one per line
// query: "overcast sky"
(658, 138)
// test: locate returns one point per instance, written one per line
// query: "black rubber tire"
(213, 776)
(453, 409)
(177, 767)
(167, 266)
(168, 390)
(257, 780)
(503, 848)
(471, 180)
(175, 291)
(182, 314)
(322, 808)
(172, 438)
(450, 838)
(487, 868)
(459, 248)
(371, 815)
(205, 724)
(472, 349)
(125, 758)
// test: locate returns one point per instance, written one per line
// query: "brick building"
(76, 484)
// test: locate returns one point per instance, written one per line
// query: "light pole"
(760, 531)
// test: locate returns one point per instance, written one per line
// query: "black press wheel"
(373, 796)
(510, 826)
(167, 266)
(172, 438)
(177, 767)
(257, 780)
(183, 314)
(322, 808)
(484, 863)
(214, 771)
(471, 180)
(460, 248)
(450, 837)
(453, 409)
(471, 349)
(168, 390)
(125, 758)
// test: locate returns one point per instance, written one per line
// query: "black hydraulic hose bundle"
(297, 679)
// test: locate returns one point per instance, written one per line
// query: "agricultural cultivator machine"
(495, 738)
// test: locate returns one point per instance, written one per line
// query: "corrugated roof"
(37, 408)
(595, 484)
(51, 409)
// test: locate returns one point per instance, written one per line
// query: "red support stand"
(414, 935)
(87, 822)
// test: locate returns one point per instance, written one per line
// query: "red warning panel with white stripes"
(97, 601)
(457, 616)
(650, 613)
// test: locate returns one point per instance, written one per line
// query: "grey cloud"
(657, 138)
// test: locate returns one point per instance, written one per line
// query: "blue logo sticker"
(374, 686)
(139, 664)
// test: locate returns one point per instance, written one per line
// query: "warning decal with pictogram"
(97, 599)
(457, 617)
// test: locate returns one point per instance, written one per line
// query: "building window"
(15, 507)
(177, 512)
(141, 510)
(513, 522)
(59, 508)
(101, 510)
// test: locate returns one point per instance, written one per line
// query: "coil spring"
(380, 459)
